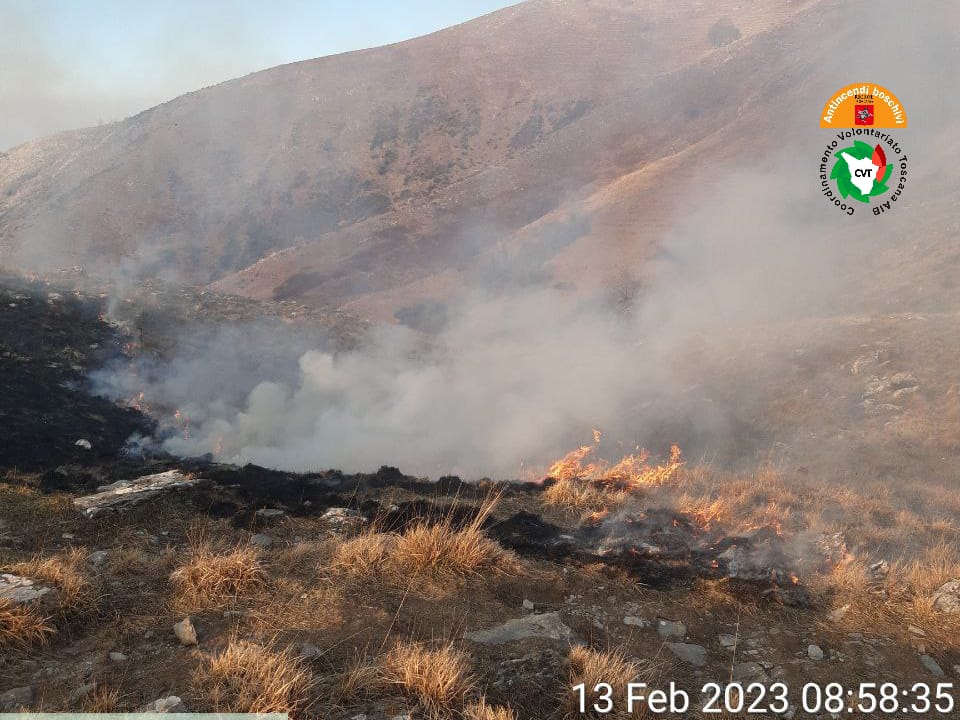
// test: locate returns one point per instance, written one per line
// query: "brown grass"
(66, 572)
(211, 580)
(21, 627)
(251, 678)
(592, 667)
(481, 711)
(438, 551)
(103, 699)
(436, 679)
(359, 679)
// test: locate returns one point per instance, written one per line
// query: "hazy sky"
(73, 63)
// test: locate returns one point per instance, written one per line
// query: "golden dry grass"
(482, 711)
(436, 679)
(439, 552)
(22, 627)
(66, 571)
(592, 667)
(211, 580)
(246, 677)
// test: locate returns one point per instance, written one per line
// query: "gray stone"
(838, 614)
(261, 540)
(185, 632)
(269, 516)
(671, 630)
(98, 558)
(19, 590)
(727, 641)
(748, 671)
(544, 625)
(170, 704)
(19, 697)
(947, 598)
(696, 655)
(814, 652)
(117, 657)
(528, 605)
(636, 621)
(309, 652)
(124, 494)
(930, 664)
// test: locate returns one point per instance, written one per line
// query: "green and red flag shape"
(853, 159)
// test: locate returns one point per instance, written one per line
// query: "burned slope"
(48, 342)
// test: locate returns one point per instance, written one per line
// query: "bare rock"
(636, 621)
(269, 516)
(727, 641)
(669, 629)
(748, 671)
(544, 625)
(947, 597)
(695, 655)
(124, 494)
(185, 631)
(932, 665)
(170, 704)
(815, 652)
(117, 657)
(20, 590)
(261, 540)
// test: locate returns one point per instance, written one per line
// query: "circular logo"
(861, 171)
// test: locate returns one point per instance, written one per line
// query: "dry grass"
(103, 699)
(251, 678)
(360, 679)
(21, 627)
(66, 572)
(363, 555)
(293, 606)
(436, 679)
(592, 667)
(211, 580)
(580, 495)
(439, 552)
(481, 711)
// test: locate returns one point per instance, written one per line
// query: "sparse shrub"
(103, 699)
(723, 32)
(21, 627)
(210, 580)
(251, 678)
(436, 679)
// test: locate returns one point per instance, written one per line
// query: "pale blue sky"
(73, 63)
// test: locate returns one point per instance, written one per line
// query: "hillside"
(381, 177)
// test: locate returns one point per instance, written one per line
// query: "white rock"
(18, 589)
(528, 605)
(671, 629)
(636, 621)
(185, 631)
(127, 493)
(814, 652)
(84, 444)
(117, 657)
(170, 704)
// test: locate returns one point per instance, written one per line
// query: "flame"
(630, 472)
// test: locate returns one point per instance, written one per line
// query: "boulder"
(544, 625)
(124, 494)
(20, 590)
(947, 597)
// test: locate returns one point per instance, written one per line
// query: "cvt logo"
(854, 175)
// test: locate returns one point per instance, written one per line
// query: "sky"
(70, 63)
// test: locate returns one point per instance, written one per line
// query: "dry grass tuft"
(592, 667)
(481, 711)
(211, 580)
(66, 572)
(103, 699)
(436, 679)
(361, 678)
(363, 555)
(251, 678)
(437, 551)
(21, 627)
